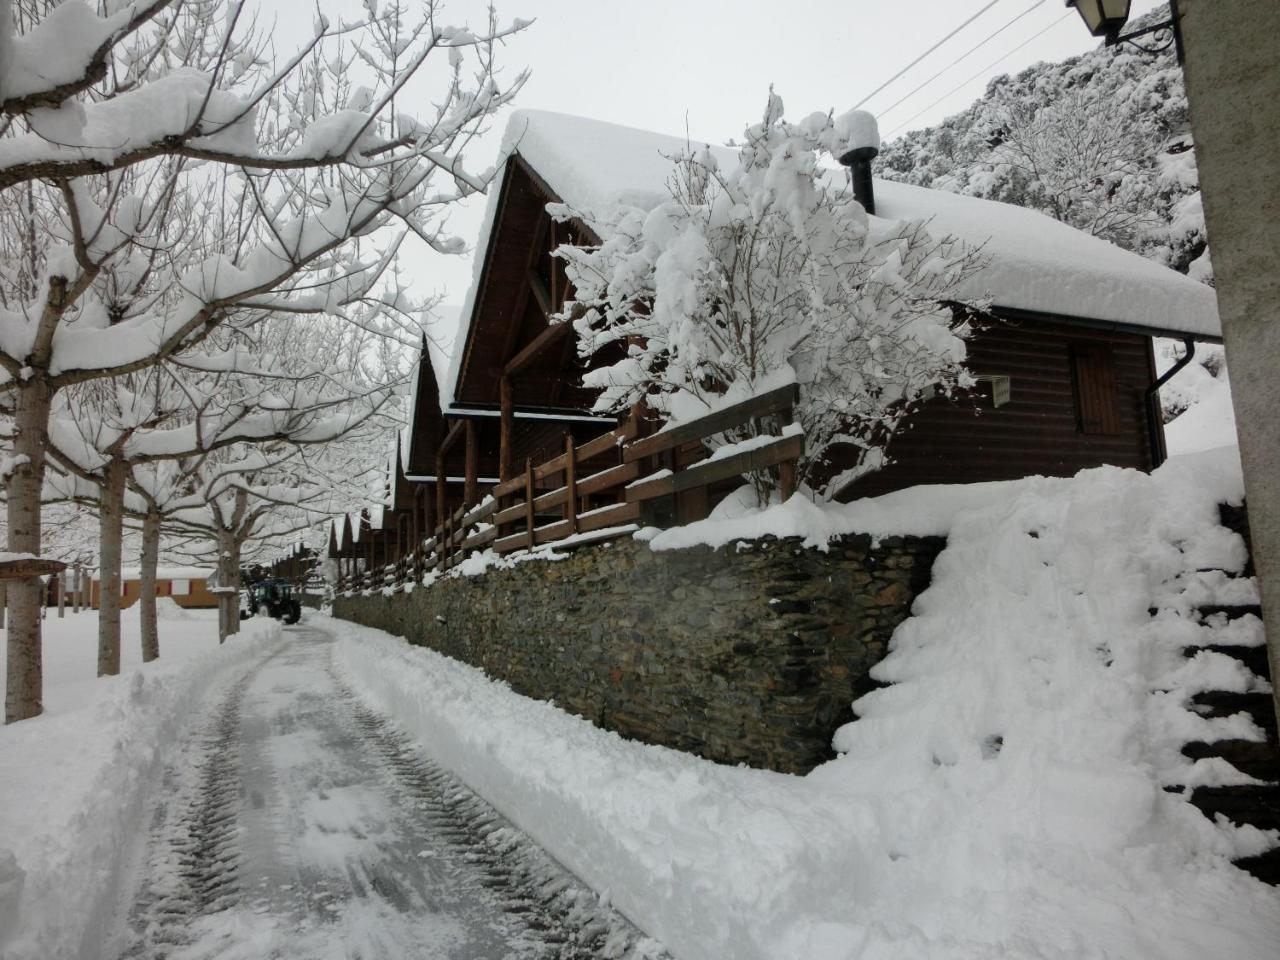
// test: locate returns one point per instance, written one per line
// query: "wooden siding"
(966, 440)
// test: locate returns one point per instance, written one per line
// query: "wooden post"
(528, 498)
(570, 482)
(416, 527)
(469, 494)
(787, 479)
(787, 470)
(440, 485)
(506, 409)
(429, 520)
(399, 554)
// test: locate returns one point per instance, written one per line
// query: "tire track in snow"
(303, 824)
(193, 858)
(562, 913)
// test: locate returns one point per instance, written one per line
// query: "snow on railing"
(659, 479)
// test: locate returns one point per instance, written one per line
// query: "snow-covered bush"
(769, 273)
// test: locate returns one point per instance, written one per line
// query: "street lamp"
(1106, 18)
(1102, 18)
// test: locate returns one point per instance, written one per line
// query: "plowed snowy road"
(298, 825)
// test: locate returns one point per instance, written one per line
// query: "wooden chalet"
(1067, 378)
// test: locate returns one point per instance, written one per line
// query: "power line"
(925, 54)
(980, 73)
(961, 58)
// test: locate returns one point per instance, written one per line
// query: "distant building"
(186, 586)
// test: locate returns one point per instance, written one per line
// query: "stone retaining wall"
(748, 654)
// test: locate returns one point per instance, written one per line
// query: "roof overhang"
(1142, 330)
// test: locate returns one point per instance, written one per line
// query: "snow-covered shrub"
(769, 273)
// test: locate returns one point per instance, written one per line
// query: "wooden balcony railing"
(580, 496)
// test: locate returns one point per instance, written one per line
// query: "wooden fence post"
(787, 478)
(570, 483)
(416, 524)
(528, 498)
(397, 573)
(471, 470)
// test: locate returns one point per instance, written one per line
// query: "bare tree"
(1080, 161)
(167, 178)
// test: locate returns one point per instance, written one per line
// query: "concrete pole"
(1233, 86)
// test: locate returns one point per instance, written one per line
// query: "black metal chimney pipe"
(858, 161)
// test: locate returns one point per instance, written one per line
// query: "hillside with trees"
(1100, 141)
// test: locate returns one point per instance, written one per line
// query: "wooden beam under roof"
(534, 347)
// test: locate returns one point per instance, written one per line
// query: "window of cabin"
(180, 588)
(1093, 377)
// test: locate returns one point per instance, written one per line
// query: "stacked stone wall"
(747, 654)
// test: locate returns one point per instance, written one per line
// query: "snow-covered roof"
(1035, 263)
(1038, 263)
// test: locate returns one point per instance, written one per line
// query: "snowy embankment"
(1003, 798)
(76, 779)
(1198, 398)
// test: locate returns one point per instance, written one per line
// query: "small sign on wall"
(1001, 390)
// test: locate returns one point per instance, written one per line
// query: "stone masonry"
(748, 654)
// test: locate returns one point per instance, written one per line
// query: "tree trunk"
(24, 682)
(110, 534)
(61, 582)
(229, 581)
(147, 587)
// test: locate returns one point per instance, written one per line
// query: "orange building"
(186, 586)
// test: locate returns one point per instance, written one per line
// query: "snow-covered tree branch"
(767, 273)
(167, 186)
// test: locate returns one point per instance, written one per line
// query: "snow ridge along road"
(300, 825)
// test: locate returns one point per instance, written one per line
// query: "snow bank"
(76, 779)
(1003, 798)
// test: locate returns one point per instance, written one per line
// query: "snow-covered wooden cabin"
(1066, 380)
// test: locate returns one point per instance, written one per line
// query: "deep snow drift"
(76, 779)
(1003, 798)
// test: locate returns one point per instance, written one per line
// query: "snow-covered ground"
(1200, 397)
(76, 779)
(297, 825)
(1004, 797)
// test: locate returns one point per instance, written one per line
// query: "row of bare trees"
(202, 330)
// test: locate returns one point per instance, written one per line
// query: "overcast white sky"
(706, 65)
